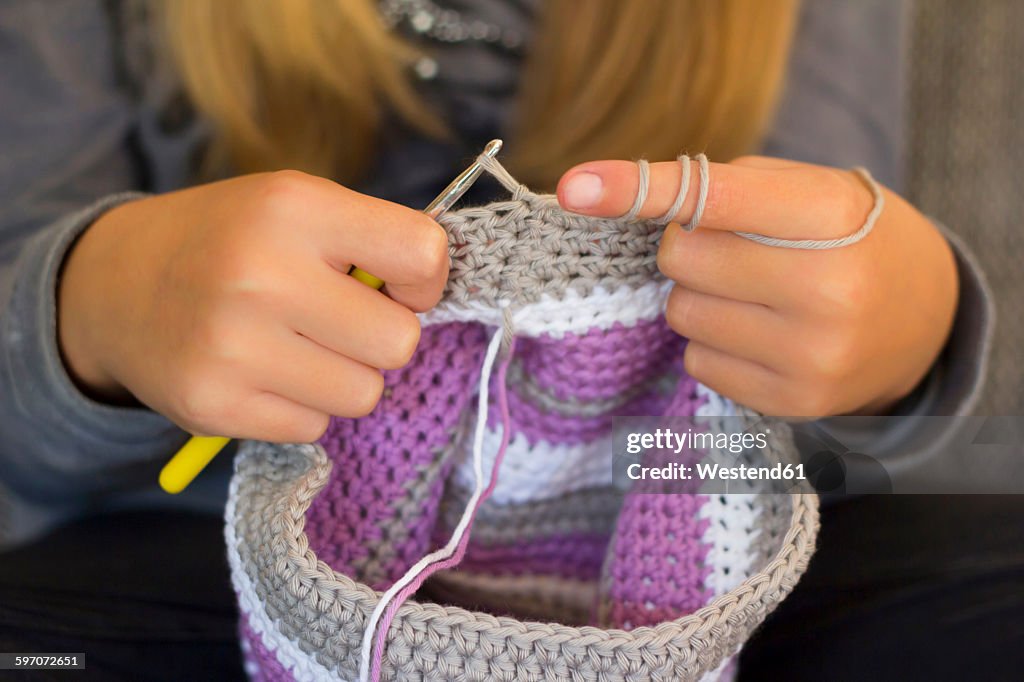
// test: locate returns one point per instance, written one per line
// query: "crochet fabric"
(564, 576)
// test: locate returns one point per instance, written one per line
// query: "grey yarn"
(702, 194)
(544, 598)
(584, 511)
(546, 399)
(641, 192)
(684, 189)
(869, 224)
(508, 252)
(325, 612)
(702, 197)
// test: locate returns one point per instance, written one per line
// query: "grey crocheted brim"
(318, 614)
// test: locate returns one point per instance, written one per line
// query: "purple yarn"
(375, 458)
(577, 555)
(601, 364)
(538, 424)
(656, 570)
(266, 666)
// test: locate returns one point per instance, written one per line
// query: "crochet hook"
(442, 202)
(199, 451)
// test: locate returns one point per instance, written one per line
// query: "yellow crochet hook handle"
(366, 278)
(189, 461)
(199, 451)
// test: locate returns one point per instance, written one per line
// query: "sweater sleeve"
(65, 132)
(844, 98)
(844, 105)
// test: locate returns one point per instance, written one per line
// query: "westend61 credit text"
(716, 472)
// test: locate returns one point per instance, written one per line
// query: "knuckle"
(365, 395)
(679, 311)
(309, 429)
(280, 192)
(845, 293)
(244, 269)
(847, 203)
(750, 160)
(405, 337)
(833, 358)
(671, 258)
(431, 251)
(692, 361)
(725, 198)
(217, 339)
(197, 400)
(813, 401)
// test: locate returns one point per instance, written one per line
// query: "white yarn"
(729, 536)
(572, 313)
(731, 517)
(716, 674)
(539, 471)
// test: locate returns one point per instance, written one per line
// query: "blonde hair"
(304, 83)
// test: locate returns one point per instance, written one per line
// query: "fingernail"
(583, 190)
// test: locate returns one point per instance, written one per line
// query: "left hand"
(785, 331)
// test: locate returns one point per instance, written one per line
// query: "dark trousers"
(901, 588)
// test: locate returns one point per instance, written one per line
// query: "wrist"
(81, 299)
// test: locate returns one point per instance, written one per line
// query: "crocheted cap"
(313, 533)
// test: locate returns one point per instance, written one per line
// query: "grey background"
(966, 152)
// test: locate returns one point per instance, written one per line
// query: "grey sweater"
(86, 121)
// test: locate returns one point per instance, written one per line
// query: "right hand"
(227, 308)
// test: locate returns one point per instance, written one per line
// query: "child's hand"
(791, 332)
(227, 307)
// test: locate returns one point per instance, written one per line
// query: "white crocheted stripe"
(721, 673)
(302, 666)
(729, 536)
(573, 313)
(545, 470)
(731, 518)
(539, 471)
(714, 404)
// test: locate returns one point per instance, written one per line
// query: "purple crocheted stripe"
(266, 666)
(377, 459)
(539, 424)
(657, 568)
(657, 564)
(577, 368)
(601, 364)
(568, 556)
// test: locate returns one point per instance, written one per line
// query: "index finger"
(400, 245)
(788, 201)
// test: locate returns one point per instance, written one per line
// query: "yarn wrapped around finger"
(644, 183)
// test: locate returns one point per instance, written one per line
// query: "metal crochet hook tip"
(463, 182)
